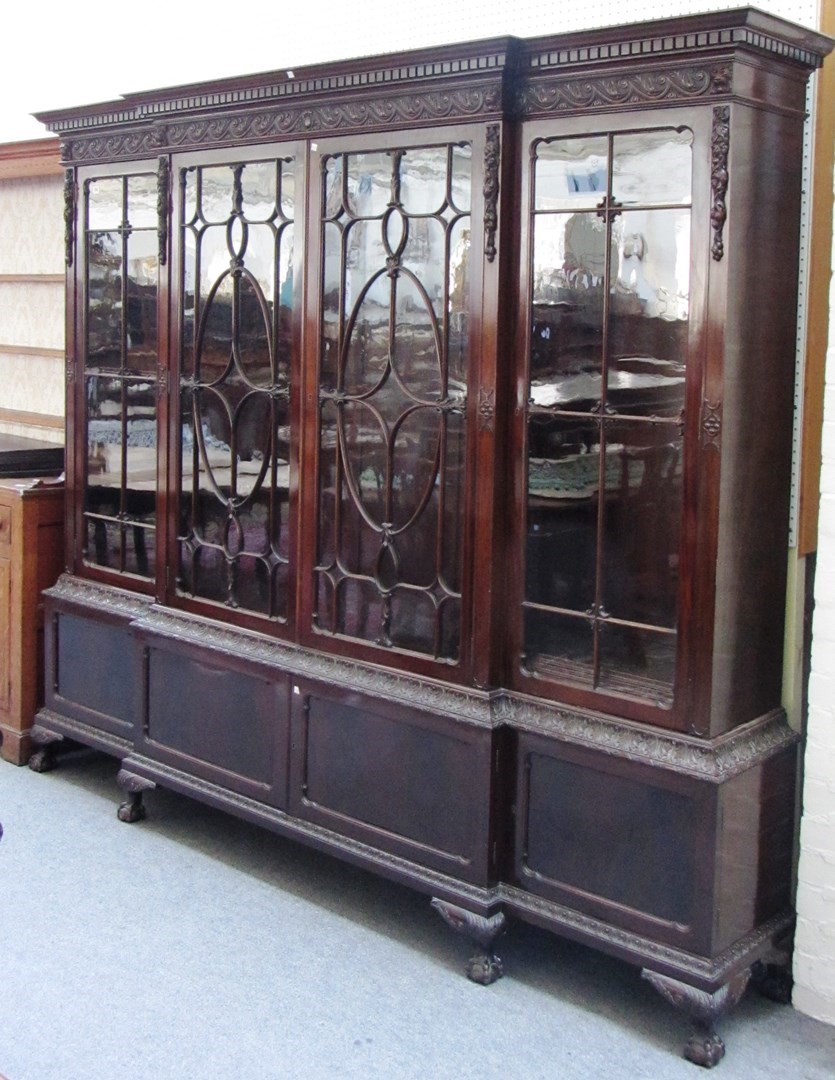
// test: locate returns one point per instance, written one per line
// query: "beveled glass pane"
(142, 202)
(208, 575)
(571, 174)
(334, 172)
(254, 354)
(216, 299)
(287, 199)
(416, 353)
(366, 454)
(652, 167)
(369, 183)
(259, 187)
(415, 467)
(104, 301)
(189, 188)
(104, 438)
(462, 178)
(459, 305)
(453, 465)
(413, 621)
(105, 208)
(568, 309)
(140, 452)
(638, 663)
(141, 283)
(423, 180)
(359, 609)
(331, 305)
(563, 487)
(649, 312)
(641, 522)
(217, 191)
(559, 646)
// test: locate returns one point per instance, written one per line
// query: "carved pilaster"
(492, 159)
(720, 142)
(163, 200)
(69, 215)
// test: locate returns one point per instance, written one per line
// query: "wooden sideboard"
(31, 558)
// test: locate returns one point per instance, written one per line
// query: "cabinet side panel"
(756, 414)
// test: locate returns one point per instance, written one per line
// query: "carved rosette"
(492, 158)
(69, 215)
(163, 199)
(572, 94)
(486, 408)
(719, 146)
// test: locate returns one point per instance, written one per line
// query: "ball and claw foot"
(705, 1049)
(132, 809)
(43, 759)
(484, 968)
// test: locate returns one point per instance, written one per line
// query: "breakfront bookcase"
(429, 438)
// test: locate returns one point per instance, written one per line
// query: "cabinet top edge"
(503, 61)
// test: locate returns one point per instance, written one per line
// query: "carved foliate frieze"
(720, 142)
(131, 144)
(492, 160)
(569, 94)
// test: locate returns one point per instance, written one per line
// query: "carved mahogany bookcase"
(429, 438)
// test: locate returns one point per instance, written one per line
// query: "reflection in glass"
(237, 303)
(120, 329)
(606, 394)
(394, 359)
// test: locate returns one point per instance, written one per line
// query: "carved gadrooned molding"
(621, 89)
(705, 971)
(80, 592)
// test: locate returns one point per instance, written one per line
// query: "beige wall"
(31, 291)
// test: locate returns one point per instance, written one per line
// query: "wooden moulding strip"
(34, 157)
(32, 350)
(31, 279)
(31, 419)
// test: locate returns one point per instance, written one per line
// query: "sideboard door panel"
(403, 781)
(95, 676)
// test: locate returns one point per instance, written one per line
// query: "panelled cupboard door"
(236, 286)
(614, 246)
(391, 382)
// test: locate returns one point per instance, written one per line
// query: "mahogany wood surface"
(650, 815)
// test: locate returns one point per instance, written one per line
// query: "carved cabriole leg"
(483, 967)
(43, 758)
(133, 786)
(704, 1047)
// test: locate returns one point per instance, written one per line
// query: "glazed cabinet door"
(612, 282)
(236, 282)
(393, 361)
(113, 376)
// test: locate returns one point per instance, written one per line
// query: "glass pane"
(104, 203)
(637, 662)
(216, 193)
(641, 522)
(571, 174)
(652, 167)
(142, 301)
(142, 202)
(259, 187)
(459, 306)
(563, 485)
(423, 180)
(369, 183)
(568, 306)
(104, 301)
(559, 646)
(462, 171)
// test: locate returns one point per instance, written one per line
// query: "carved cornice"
(569, 94)
(431, 106)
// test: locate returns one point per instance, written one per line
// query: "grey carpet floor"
(194, 945)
